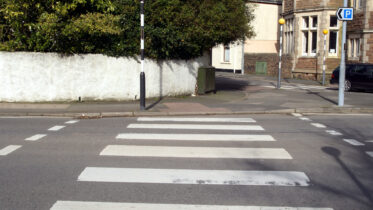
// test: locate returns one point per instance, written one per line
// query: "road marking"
(353, 142)
(183, 176)
(305, 118)
(369, 141)
(35, 137)
(195, 152)
(88, 205)
(9, 149)
(195, 137)
(370, 153)
(72, 122)
(173, 119)
(56, 128)
(197, 127)
(334, 133)
(297, 114)
(318, 125)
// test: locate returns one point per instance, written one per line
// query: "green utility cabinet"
(206, 80)
(261, 67)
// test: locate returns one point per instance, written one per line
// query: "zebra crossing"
(150, 129)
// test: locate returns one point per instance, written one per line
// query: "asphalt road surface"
(200, 162)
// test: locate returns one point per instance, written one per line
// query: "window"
(289, 36)
(333, 36)
(309, 34)
(227, 52)
(357, 4)
(354, 48)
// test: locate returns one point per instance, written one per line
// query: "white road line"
(370, 153)
(369, 141)
(9, 149)
(72, 122)
(56, 128)
(305, 118)
(353, 142)
(183, 176)
(36, 137)
(334, 133)
(189, 119)
(88, 205)
(195, 152)
(195, 137)
(318, 125)
(197, 127)
(297, 114)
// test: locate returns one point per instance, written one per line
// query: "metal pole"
(323, 65)
(243, 57)
(142, 74)
(280, 55)
(342, 68)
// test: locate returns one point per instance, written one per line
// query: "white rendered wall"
(235, 57)
(34, 77)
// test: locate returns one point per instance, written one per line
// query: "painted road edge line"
(200, 177)
(197, 127)
(305, 118)
(85, 205)
(195, 152)
(334, 133)
(9, 149)
(297, 114)
(194, 137)
(72, 122)
(195, 119)
(318, 125)
(56, 128)
(370, 153)
(36, 137)
(353, 142)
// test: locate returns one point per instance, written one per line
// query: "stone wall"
(272, 64)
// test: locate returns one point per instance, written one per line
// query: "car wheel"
(347, 85)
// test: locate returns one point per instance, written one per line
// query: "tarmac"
(235, 94)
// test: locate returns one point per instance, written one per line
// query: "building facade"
(229, 57)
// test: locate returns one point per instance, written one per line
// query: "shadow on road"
(335, 153)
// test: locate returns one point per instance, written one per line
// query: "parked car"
(358, 77)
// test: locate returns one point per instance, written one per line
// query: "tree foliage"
(174, 29)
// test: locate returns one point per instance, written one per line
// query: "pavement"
(235, 94)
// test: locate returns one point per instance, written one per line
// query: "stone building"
(304, 38)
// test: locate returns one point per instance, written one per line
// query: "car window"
(361, 69)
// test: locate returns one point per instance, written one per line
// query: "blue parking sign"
(345, 13)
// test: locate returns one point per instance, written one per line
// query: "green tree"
(175, 29)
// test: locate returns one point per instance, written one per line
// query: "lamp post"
(142, 74)
(325, 32)
(281, 22)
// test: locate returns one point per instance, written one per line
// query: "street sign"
(345, 13)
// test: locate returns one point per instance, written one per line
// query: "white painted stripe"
(353, 142)
(195, 137)
(88, 205)
(197, 127)
(183, 176)
(72, 122)
(195, 152)
(334, 133)
(305, 118)
(369, 141)
(173, 119)
(9, 149)
(370, 153)
(36, 137)
(297, 114)
(56, 128)
(318, 125)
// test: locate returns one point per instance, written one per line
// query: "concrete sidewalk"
(236, 94)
